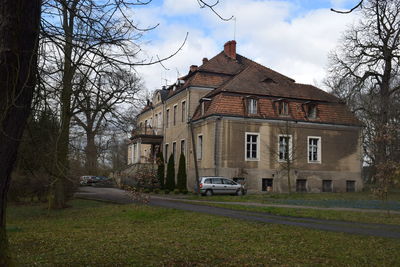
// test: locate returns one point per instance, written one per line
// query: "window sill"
(252, 159)
(314, 162)
(283, 160)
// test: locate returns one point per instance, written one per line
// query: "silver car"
(211, 185)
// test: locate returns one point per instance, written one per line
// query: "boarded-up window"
(350, 186)
(199, 147)
(183, 111)
(301, 185)
(326, 185)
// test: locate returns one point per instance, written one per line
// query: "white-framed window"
(252, 106)
(314, 149)
(202, 108)
(159, 120)
(183, 111)
(284, 147)
(199, 147)
(252, 146)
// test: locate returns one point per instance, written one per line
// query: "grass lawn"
(352, 216)
(100, 234)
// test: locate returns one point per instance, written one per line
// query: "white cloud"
(267, 32)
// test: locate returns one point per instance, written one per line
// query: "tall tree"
(19, 30)
(365, 71)
(160, 169)
(86, 33)
(99, 104)
(181, 176)
(170, 179)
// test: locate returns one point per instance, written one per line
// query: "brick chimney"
(193, 68)
(205, 60)
(230, 49)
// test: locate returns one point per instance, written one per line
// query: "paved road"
(122, 197)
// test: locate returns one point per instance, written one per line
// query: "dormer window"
(283, 108)
(252, 106)
(202, 105)
(312, 111)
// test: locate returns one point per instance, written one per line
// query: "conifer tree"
(160, 169)
(181, 177)
(170, 181)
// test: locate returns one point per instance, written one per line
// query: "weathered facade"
(254, 125)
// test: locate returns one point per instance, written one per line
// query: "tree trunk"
(58, 190)
(91, 154)
(19, 30)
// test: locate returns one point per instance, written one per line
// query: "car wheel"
(209, 193)
(239, 192)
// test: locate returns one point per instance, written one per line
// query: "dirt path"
(120, 196)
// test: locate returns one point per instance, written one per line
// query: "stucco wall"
(340, 153)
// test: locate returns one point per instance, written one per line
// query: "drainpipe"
(195, 157)
(217, 151)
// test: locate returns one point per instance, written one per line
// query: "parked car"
(87, 180)
(210, 185)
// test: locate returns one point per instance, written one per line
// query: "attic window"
(283, 108)
(252, 106)
(312, 111)
(268, 80)
(202, 105)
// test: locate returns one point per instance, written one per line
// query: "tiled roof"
(231, 104)
(238, 77)
(258, 80)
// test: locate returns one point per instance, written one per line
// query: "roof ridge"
(221, 87)
(258, 65)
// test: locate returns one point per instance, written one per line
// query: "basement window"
(301, 185)
(326, 185)
(267, 184)
(350, 186)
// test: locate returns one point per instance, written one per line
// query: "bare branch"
(359, 5)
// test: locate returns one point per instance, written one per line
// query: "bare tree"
(19, 29)
(100, 103)
(287, 152)
(364, 71)
(367, 63)
(77, 36)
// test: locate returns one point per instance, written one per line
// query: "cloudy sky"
(293, 37)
